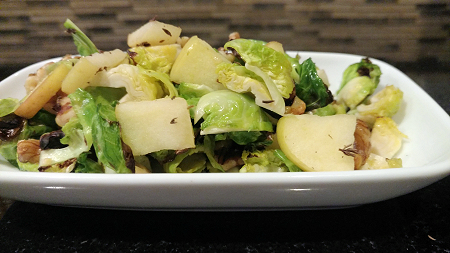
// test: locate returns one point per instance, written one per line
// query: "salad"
(173, 104)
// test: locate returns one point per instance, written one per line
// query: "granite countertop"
(416, 222)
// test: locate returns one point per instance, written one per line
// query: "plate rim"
(433, 172)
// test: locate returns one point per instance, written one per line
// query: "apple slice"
(79, 76)
(108, 59)
(161, 124)
(154, 33)
(316, 143)
(43, 92)
(197, 64)
(91, 68)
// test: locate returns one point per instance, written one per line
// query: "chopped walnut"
(182, 41)
(232, 162)
(28, 151)
(361, 144)
(234, 36)
(64, 111)
(34, 79)
(228, 54)
(298, 107)
(360, 150)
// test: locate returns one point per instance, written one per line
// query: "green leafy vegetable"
(84, 45)
(385, 103)
(74, 138)
(358, 82)
(363, 68)
(245, 137)
(33, 167)
(87, 165)
(269, 160)
(311, 89)
(228, 111)
(8, 149)
(31, 129)
(192, 93)
(108, 93)
(386, 139)
(376, 162)
(295, 63)
(356, 90)
(8, 105)
(44, 118)
(64, 167)
(102, 132)
(290, 165)
(140, 83)
(195, 160)
(250, 139)
(209, 147)
(331, 109)
(275, 64)
(250, 79)
(156, 58)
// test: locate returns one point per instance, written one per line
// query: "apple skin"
(315, 143)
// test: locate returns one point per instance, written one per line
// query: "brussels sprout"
(157, 58)
(74, 141)
(192, 93)
(251, 79)
(270, 160)
(196, 159)
(376, 162)
(356, 90)
(385, 103)
(87, 165)
(363, 68)
(275, 64)
(140, 83)
(358, 82)
(386, 139)
(33, 167)
(101, 130)
(311, 88)
(228, 111)
(295, 63)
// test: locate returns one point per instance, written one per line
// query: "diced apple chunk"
(162, 124)
(88, 70)
(79, 76)
(315, 143)
(197, 64)
(154, 33)
(108, 59)
(43, 92)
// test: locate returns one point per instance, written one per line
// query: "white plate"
(426, 159)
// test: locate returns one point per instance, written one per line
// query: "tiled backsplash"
(392, 30)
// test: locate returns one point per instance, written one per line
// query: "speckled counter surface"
(417, 222)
